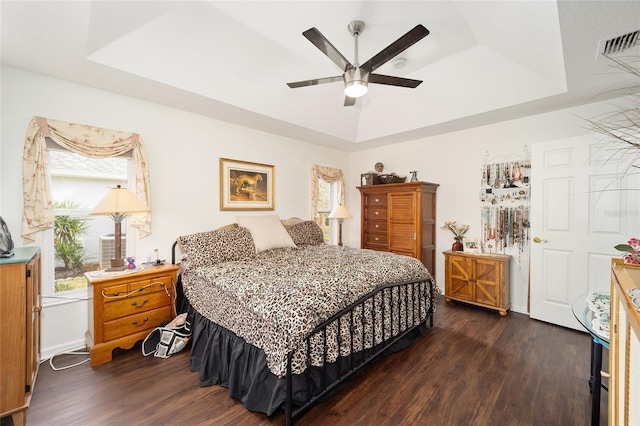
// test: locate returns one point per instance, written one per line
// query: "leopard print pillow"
(221, 245)
(306, 233)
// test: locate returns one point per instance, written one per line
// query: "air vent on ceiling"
(618, 44)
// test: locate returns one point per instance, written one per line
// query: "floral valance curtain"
(90, 141)
(329, 175)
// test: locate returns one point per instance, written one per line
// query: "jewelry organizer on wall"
(504, 197)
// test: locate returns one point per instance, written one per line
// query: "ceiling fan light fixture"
(356, 88)
(356, 82)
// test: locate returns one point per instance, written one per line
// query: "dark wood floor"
(473, 368)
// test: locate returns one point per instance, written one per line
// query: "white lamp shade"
(340, 212)
(119, 201)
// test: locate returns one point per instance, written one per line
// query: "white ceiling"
(484, 61)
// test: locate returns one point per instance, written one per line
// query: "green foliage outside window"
(68, 248)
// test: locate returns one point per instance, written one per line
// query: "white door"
(583, 203)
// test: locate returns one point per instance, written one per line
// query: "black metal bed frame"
(417, 299)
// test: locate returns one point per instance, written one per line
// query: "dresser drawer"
(376, 247)
(118, 308)
(134, 323)
(376, 213)
(375, 200)
(377, 239)
(376, 226)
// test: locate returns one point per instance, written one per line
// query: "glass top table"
(586, 316)
(599, 339)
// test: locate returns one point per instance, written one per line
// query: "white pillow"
(267, 232)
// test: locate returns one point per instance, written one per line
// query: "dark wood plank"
(473, 368)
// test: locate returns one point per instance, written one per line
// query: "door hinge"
(414, 236)
(28, 273)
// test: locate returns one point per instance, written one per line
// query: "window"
(326, 203)
(327, 191)
(38, 219)
(81, 242)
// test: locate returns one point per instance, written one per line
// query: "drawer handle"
(134, 322)
(377, 200)
(376, 213)
(376, 238)
(144, 302)
(112, 295)
(376, 226)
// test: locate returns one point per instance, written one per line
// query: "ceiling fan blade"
(409, 39)
(314, 82)
(393, 81)
(325, 46)
(349, 101)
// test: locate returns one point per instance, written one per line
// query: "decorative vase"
(457, 245)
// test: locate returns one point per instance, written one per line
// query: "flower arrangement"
(631, 251)
(458, 230)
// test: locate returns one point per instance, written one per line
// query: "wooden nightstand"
(123, 309)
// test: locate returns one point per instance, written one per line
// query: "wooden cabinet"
(21, 303)
(624, 344)
(478, 279)
(400, 218)
(124, 308)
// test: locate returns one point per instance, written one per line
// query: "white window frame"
(50, 297)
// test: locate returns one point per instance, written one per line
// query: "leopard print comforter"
(277, 298)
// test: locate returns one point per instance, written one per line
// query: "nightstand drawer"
(135, 323)
(151, 285)
(118, 308)
(115, 291)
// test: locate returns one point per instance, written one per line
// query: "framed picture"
(471, 245)
(247, 186)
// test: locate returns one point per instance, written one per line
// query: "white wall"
(183, 153)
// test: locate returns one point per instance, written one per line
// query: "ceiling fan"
(357, 77)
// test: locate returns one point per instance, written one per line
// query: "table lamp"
(341, 213)
(117, 204)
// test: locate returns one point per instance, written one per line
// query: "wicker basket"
(391, 178)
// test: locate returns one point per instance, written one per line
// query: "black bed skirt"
(242, 367)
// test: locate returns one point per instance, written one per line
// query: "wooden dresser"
(479, 279)
(400, 218)
(124, 308)
(20, 305)
(624, 355)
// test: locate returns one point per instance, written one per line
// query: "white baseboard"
(47, 353)
(519, 309)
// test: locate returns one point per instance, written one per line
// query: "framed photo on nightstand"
(471, 245)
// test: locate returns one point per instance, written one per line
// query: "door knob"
(539, 240)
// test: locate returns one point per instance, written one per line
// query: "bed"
(283, 319)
